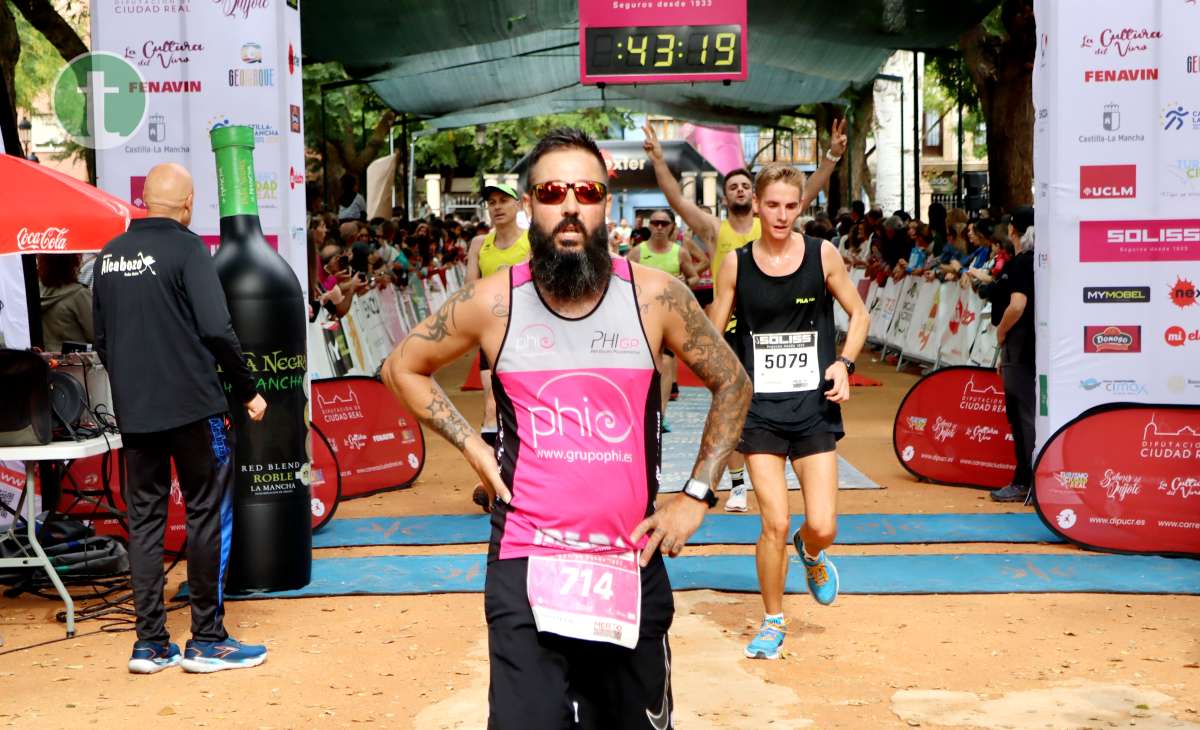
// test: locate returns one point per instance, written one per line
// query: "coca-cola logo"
(53, 238)
(1122, 42)
(242, 8)
(1118, 486)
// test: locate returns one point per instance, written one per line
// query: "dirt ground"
(985, 661)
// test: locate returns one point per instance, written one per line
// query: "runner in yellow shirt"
(662, 252)
(740, 227)
(507, 244)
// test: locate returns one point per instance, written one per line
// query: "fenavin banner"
(1125, 478)
(951, 428)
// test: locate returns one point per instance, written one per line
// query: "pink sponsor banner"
(1125, 477)
(1156, 240)
(663, 41)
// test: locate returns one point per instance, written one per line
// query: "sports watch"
(700, 492)
(848, 363)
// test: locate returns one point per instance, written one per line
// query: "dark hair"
(387, 229)
(58, 269)
(738, 171)
(984, 227)
(1022, 218)
(561, 139)
(348, 192)
(858, 207)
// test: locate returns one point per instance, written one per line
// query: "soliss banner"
(373, 441)
(951, 428)
(1125, 477)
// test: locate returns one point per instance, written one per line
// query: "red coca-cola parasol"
(44, 211)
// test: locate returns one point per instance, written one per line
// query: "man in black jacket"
(162, 331)
(1018, 367)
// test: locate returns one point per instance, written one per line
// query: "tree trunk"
(343, 152)
(862, 122)
(10, 52)
(1002, 69)
(42, 16)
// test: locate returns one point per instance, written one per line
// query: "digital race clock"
(662, 41)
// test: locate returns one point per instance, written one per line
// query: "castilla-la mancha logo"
(53, 238)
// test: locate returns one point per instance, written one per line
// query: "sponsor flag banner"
(930, 318)
(962, 325)
(191, 67)
(374, 442)
(952, 429)
(1139, 493)
(910, 291)
(1117, 189)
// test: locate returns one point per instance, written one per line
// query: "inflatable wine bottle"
(272, 523)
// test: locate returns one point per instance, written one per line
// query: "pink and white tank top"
(578, 410)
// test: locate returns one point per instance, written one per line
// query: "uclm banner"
(373, 441)
(1125, 478)
(952, 428)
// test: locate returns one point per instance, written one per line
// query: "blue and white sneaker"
(768, 641)
(150, 657)
(215, 656)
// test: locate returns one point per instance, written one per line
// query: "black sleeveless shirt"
(796, 302)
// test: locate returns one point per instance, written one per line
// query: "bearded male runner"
(782, 285)
(577, 619)
(739, 228)
(507, 244)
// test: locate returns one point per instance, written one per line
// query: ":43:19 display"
(702, 48)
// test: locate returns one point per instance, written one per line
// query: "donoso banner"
(373, 441)
(1126, 478)
(952, 429)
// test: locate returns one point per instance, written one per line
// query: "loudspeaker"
(68, 400)
(24, 399)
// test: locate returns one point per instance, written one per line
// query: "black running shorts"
(792, 446)
(483, 361)
(542, 681)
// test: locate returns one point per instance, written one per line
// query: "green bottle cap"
(237, 191)
(238, 136)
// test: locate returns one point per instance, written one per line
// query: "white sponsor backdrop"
(1116, 86)
(209, 63)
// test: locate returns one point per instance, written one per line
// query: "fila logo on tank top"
(578, 415)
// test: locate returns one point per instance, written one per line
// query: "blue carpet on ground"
(686, 418)
(717, 529)
(868, 575)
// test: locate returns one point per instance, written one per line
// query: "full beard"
(740, 209)
(565, 274)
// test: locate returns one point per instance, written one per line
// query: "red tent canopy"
(43, 211)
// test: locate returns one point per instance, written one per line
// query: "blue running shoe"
(768, 641)
(822, 578)
(214, 656)
(150, 657)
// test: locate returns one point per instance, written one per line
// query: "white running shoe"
(737, 499)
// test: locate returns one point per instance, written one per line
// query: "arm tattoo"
(499, 309)
(441, 415)
(705, 352)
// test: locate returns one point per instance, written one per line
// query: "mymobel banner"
(172, 72)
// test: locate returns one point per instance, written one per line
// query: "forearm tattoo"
(706, 353)
(441, 415)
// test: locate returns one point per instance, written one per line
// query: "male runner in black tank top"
(784, 284)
